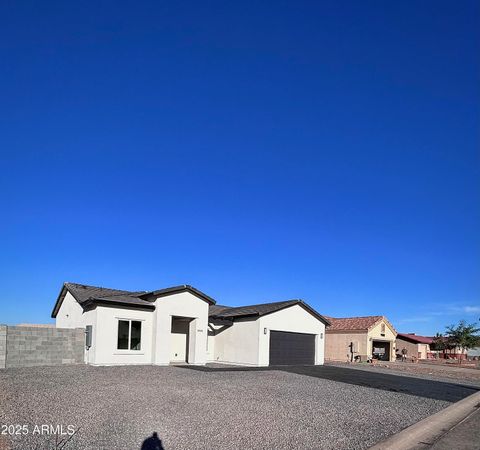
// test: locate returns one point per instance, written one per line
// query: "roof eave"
(356, 330)
(413, 340)
(58, 303)
(242, 316)
(103, 302)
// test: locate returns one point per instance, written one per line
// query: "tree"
(463, 335)
(439, 342)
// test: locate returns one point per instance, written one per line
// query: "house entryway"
(381, 350)
(179, 340)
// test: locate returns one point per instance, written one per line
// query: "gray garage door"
(291, 348)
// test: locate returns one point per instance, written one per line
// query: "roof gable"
(87, 296)
(259, 310)
(387, 322)
(176, 290)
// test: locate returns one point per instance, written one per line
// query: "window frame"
(129, 348)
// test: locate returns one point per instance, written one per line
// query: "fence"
(23, 346)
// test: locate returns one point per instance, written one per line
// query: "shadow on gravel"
(438, 390)
(152, 443)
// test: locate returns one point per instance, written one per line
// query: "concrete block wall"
(3, 346)
(34, 346)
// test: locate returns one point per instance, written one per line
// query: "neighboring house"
(360, 338)
(440, 348)
(183, 325)
(416, 346)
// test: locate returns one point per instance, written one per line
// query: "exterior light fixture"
(264, 331)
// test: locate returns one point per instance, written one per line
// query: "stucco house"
(184, 325)
(360, 338)
(416, 346)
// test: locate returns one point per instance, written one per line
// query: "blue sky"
(257, 150)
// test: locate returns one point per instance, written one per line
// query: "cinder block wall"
(34, 346)
(3, 345)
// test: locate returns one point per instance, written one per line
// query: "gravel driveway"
(202, 408)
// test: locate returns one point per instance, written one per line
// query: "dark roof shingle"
(87, 295)
(83, 292)
(232, 313)
(178, 289)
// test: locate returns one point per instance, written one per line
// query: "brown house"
(416, 346)
(425, 347)
(360, 338)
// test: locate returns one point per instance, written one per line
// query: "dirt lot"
(424, 370)
(320, 407)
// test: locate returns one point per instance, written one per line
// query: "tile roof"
(83, 292)
(352, 323)
(232, 313)
(177, 289)
(215, 310)
(412, 337)
(87, 295)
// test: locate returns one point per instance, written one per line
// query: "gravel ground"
(433, 372)
(119, 407)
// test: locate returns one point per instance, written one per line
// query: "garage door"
(291, 348)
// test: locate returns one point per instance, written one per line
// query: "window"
(129, 334)
(382, 329)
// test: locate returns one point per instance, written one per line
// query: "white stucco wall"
(106, 336)
(294, 319)
(210, 345)
(72, 315)
(245, 342)
(156, 339)
(183, 304)
(238, 344)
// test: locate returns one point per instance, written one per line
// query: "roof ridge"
(181, 288)
(297, 300)
(354, 317)
(69, 283)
